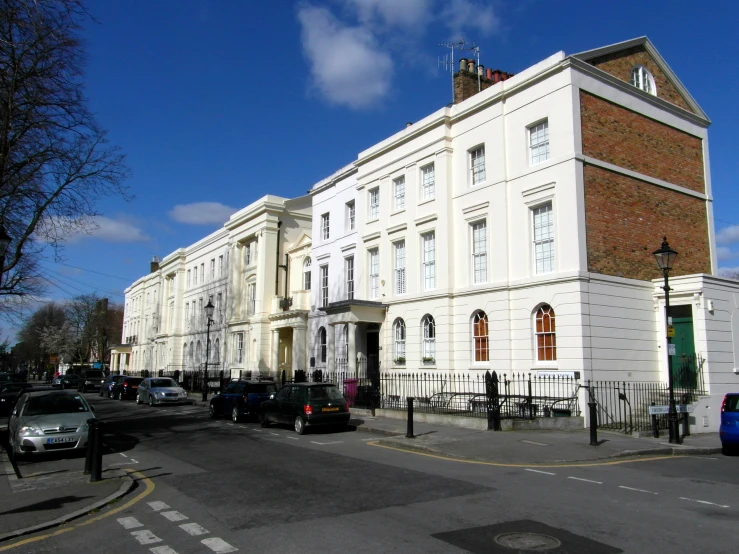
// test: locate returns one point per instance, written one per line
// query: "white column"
(276, 354)
(331, 343)
(298, 349)
(352, 334)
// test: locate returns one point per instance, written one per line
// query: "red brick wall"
(627, 139)
(620, 64)
(466, 85)
(626, 219)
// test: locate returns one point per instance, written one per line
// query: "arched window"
(217, 351)
(209, 351)
(480, 337)
(322, 345)
(192, 355)
(642, 79)
(429, 339)
(306, 273)
(198, 353)
(546, 337)
(399, 330)
(184, 355)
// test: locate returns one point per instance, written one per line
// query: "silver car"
(160, 390)
(49, 421)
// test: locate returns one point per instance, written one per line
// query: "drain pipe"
(277, 260)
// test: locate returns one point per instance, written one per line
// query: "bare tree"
(55, 161)
(730, 274)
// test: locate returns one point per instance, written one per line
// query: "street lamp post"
(665, 259)
(209, 307)
(4, 243)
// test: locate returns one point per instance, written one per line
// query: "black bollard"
(409, 434)
(686, 424)
(91, 423)
(96, 472)
(593, 424)
(655, 425)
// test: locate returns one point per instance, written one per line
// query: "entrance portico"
(288, 342)
(359, 318)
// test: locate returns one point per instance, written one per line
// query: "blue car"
(240, 399)
(729, 430)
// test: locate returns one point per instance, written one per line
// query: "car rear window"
(262, 388)
(732, 403)
(94, 375)
(54, 404)
(134, 380)
(163, 383)
(324, 393)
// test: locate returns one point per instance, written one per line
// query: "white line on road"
(586, 480)
(293, 438)
(122, 454)
(536, 443)
(158, 505)
(162, 550)
(174, 515)
(145, 537)
(637, 490)
(194, 529)
(539, 471)
(271, 433)
(372, 439)
(703, 502)
(323, 443)
(130, 522)
(218, 545)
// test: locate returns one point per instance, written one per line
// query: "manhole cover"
(527, 541)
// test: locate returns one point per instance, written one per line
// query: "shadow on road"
(51, 504)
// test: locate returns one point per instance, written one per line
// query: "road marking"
(145, 537)
(538, 471)
(704, 502)
(293, 438)
(174, 515)
(637, 490)
(535, 443)
(586, 480)
(158, 505)
(130, 522)
(372, 439)
(323, 443)
(218, 545)
(194, 529)
(271, 433)
(122, 454)
(162, 550)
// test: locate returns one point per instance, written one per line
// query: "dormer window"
(642, 79)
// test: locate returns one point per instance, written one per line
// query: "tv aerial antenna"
(476, 49)
(448, 61)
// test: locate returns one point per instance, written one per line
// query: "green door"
(683, 363)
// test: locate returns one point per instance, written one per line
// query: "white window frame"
(484, 352)
(400, 334)
(543, 243)
(322, 345)
(239, 348)
(428, 269)
(220, 265)
(307, 273)
(202, 273)
(539, 142)
(187, 314)
(189, 281)
(477, 165)
(325, 226)
(374, 273)
(351, 215)
(374, 204)
(324, 285)
(251, 298)
(349, 273)
(401, 285)
(399, 193)
(642, 79)
(219, 306)
(195, 276)
(247, 254)
(429, 337)
(213, 268)
(428, 182)
(545, 337)
(479, 251)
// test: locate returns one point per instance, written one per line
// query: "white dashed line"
(372, 439)
(276, 434)
(194, 529)
(637, 490)
(218, 545)
(162, 550)
(536, 443)
(130, 522)
(158, 505)
(122, 454)
(145, 537)
(174, 516)
(324, 443)
(703, 502)
(586, 480)
(293, 438)
(539, 471)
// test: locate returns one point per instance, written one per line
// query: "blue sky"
(223, 101)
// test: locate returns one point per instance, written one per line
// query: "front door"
(684, 362)
(373, 357)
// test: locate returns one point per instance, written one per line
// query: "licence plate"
(330, 409)
(57, 440)
(134, 387)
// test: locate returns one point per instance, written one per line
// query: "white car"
(160, 390)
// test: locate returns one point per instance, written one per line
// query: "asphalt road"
(215, 486)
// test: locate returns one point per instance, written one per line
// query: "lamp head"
(209, 307)
(665, 256)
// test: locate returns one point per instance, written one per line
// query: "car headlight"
(88, 382)
(183, 392)
(84, 428)
(30, 431)
(159, 393)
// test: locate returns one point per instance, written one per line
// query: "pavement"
(46, 498)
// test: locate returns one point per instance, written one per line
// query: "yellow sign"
(670, 331)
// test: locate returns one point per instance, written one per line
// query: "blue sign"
(97, 365)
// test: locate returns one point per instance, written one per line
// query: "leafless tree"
(55, 160)
(730, 274)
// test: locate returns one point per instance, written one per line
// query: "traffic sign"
(662, 410)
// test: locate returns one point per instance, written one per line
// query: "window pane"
(543, 239)
(428, 180)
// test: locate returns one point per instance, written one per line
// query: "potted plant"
(400, 360)
(429, 360)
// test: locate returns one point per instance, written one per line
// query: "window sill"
(480, 184)
(428, 200)
(396, 212)
(373, 220)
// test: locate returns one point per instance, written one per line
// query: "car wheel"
(212, 412)
(263, 421)
(727, 450)
(299, 425)
(151, 401)
(138, 399)
(236, 414)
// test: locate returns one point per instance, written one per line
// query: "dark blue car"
(240, 399)
(729, 430)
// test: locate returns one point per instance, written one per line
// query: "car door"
(221, 402)
(144, 390)
(15, 418)
(274, 407)
(289, 407)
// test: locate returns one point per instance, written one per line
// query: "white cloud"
(728, 235)
(71, 231)
(201, 213)
(347, 64)
(405, 13)
(724, 253)
(463, 16)
(112, 230)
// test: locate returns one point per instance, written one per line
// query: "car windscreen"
(324, 393)
(732, 403)
(55, 404)
(94, 375)
(268, 388)
(163, 383)
(133, 380)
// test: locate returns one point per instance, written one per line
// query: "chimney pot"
(471, 66)
(463, 64)
(481, 70)
(489, 74)
(496, 75)
(408, 124)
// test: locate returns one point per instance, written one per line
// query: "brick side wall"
(626, 219)
(466, 85)
(620, 64)
(627, 139)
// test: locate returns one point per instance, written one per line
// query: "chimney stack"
(154, 266)
(466, 79)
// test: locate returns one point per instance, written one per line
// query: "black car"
(241, 399)
(126, 387)
(9, 395)
(92, 379)
(305, 405)
(66, 381)
(107, 385)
